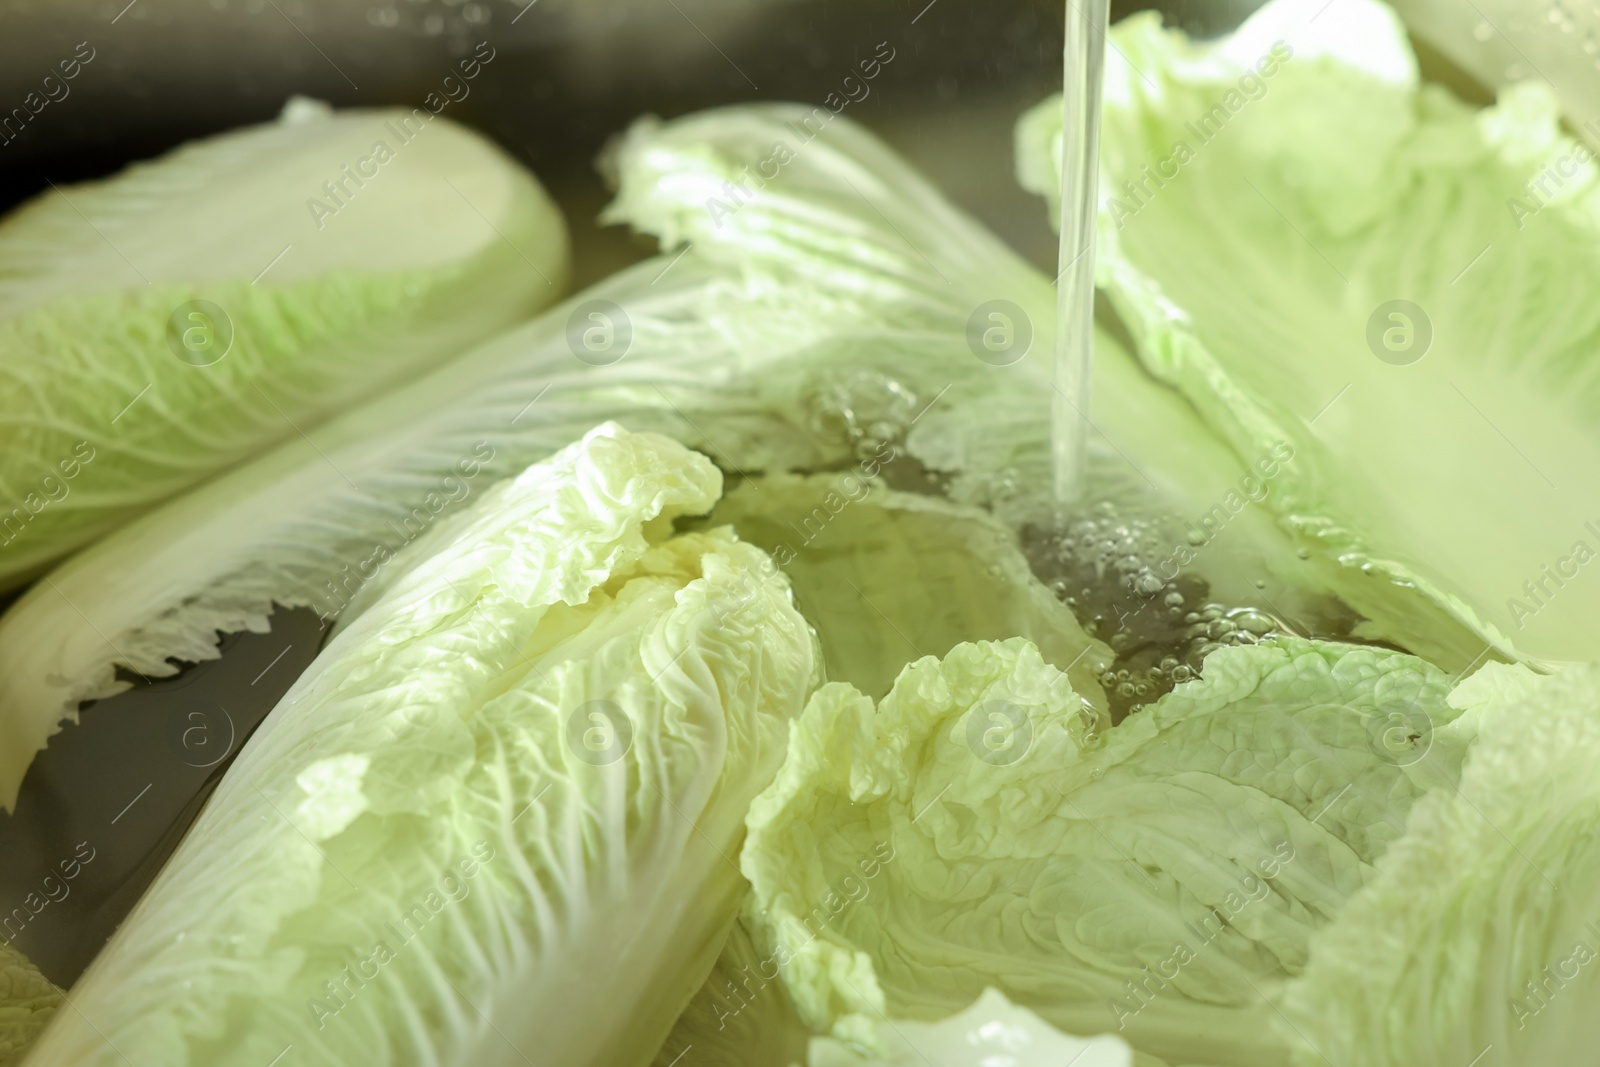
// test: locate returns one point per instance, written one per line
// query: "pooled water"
(1103, 564)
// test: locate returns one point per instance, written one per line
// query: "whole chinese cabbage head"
(196, 309)
(494, 822)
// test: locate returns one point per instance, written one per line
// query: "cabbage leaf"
(161, 324)
(1476, 940)
(1160, 880)
(1266, 200)
(740, 1017)
(884, 578)
(991, 1032)
(27, 1001)
(494, 822)
(800, 343)
(829, 315)
(887, 577)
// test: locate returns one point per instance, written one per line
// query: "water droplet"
(1483, 31)
(1254, 622)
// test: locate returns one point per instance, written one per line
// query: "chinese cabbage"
(1476, 940)
(27, 1001)
(1332, 254)
(1160, 880)
(887, 577)
(993, 1032)
(161, 324)
(776, 347)
(493, 822)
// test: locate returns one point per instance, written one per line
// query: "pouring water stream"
(1084, 63)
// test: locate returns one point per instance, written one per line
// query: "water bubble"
(1483, 31)
(864, 409)
(1253, 621)
(1108, 557)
